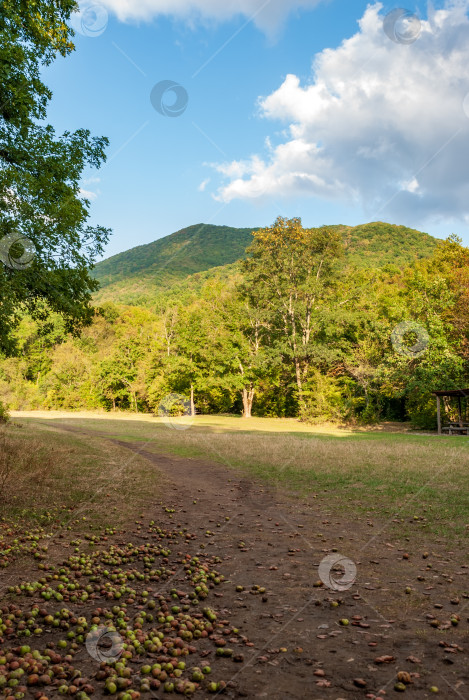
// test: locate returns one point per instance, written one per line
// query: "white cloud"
(91, 180)
(266, 14)
(87, 194)
(203, 185)
(411, 186)
(381, 123)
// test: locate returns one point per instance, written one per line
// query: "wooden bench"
(451, 429)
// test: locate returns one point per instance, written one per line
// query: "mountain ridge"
(138, 274)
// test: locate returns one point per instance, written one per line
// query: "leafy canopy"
(46, 246)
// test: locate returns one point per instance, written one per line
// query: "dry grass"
(42, 470)
(27, 468)
(409, 477)
(213, 422)
(395, 476)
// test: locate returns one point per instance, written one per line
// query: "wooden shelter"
(459, 427)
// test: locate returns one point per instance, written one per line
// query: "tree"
(46, 246)
(247, 353)
(69, 383)
(196, 366)
(118, 375)
(436, 293)
(210, 357)
(242, 340)
(289, 274)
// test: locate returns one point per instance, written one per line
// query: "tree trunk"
(248, 398)
(113, 404)
(192, 401)
(299, 383)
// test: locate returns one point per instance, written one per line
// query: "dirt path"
(319, 642)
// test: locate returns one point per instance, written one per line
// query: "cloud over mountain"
(381, 123)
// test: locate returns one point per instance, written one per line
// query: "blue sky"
(314, 148)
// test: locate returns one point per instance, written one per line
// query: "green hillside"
(379, 244)
(140, 274)
(136, 274)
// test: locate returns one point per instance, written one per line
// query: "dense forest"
(139, 275)
(296, 328)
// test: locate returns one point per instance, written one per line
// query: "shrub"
(422, 411)
(4, 417)
(323, 399)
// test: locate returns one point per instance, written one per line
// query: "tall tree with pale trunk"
(289, 277)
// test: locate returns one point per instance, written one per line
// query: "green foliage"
(4, 416)
(386, 244)
(142, 275)
(240, 336)
(32, 35)
(290, 278)
(324, 399)
(40, 202)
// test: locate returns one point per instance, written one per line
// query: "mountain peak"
(139, 274)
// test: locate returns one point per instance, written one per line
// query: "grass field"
(405, 477)
(46, 473)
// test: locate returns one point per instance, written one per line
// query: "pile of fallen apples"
(15, 541)
(122, 590)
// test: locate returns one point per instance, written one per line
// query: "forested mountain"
(140, 274)
(378, 244)
(333, 323)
